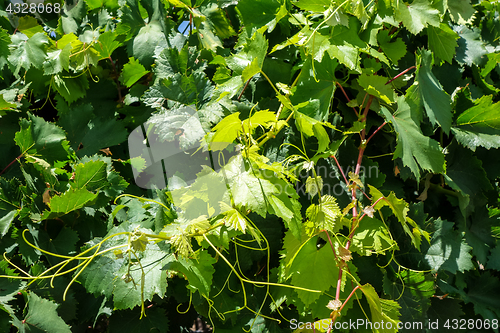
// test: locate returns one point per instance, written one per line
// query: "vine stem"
(353, 191)
(14, 161)
(244, 88)
(378, 129)
(402, 73)
(347, 97)
(116, 80)
(341, 171)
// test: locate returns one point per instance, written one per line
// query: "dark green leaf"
(448, 250)
(416, 150)
(42, 315)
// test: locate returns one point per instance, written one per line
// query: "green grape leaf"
(436, 101)
(253, 52)
(442, 42)
(29, 26)
(400, 209)
(372, 236)
(471, 49)
(416, 150)
(109, 4)
(325, 215)
(226, 131)
(187, 90)
(69, 201)
(347, 55)
(88, 133)
(91, 175)
(6, 221)
(144, 43)
(461, 11)
(42, 138)
(217, 21)
(28, 52)
(313, 5)
(479, 126)
(466, 175)
(168, 122)
(257, 14)
(448, 250)
(313, 268)
(4, 105)
(42, 314)
(132, 72)
(250, 192)
(316, 85)
(494, 258)
(57, 60)
(417, 15)
(71, 88)
(99, 276)
(4, 47)
(171, 61)
(147, 278)
(312, 127)
(393, 50)
(9, 204)
(106, 44)
(376, 85)
(289, 209)
(197, 271)
(381, 309)
(483, 292)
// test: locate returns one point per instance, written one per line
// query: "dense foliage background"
(365, 184)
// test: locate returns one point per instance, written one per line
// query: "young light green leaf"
(250, 192)
(226, 131)
(67, 202)
(417, 15)
(132, 72)
(314, 185)
(251, 56)
(376, 85)
(106, 44)
(325, 215)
